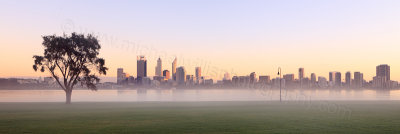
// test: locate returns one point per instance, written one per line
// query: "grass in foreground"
(202, 117)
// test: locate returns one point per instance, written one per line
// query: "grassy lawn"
(202, 117)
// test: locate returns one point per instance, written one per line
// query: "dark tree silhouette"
(71, 60)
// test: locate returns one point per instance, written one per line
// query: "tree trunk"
(68, 94)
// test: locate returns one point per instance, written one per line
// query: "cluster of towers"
(380, 81)
(177, 75)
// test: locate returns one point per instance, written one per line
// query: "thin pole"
(280, 84)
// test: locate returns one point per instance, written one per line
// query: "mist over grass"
(202, 117)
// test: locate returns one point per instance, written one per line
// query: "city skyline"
(200, 66)
(324, 37)
(381, 80)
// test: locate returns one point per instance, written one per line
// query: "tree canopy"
(71, 60)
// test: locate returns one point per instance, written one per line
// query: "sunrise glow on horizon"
(238, 37)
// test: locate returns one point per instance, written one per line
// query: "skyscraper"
(174, 68)
(189, 80)
(120, 75)
(301, 73)
(332, 76)
(198, 75)
(264, 79)
(181, 75)
(198, 72)
(335, 79)
(358, 80)
(322, 83)
(348, 79)
(288, 77)
(301, 76)
(141, 67)
(166, 74)
(253, 77)
(313, 80)
(383, 70)
(158, 71)
(382, 78)
(338, 79)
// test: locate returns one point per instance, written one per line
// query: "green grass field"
(202, 117)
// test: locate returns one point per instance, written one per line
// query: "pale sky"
(235, 36)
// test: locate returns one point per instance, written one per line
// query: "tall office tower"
(181, 75)
(301, 73)
(166, 74)
(198, 72)
(288, 78)
(189, 79)
(301, 76)
(362, 79)
(253, 77)
(322, 83)
(120, 75)
(383, 71)
(382, 78)
(348, 79)
(338, 79)
(174, 68)
(141, 67)
(358, 80)
(159, 68)
(264, 79)
(313, 80)
(198, 75)
(332, 76)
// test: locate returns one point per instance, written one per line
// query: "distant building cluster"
(20, 83)
(179, 78)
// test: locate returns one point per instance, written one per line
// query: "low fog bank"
(167, 95)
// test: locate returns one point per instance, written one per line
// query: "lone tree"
(71, 60)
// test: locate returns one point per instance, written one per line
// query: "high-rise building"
(264, 79)
(382, 78)
(158, 71)
(358, 80)
(335, 79)
(181, 75)
(279, 83)
(189, 79)
(332, 76)
(141, 67)
(313, 80)
(383, 71)
(301, 73)
(174, 68)
(338, 79)
(348, 79)
(235, 80)
(198, 72)
(288, 78)
(322, 83)
(166, 74)
(120, 75)
(301, 76)
(198, 75)
(253, 77)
